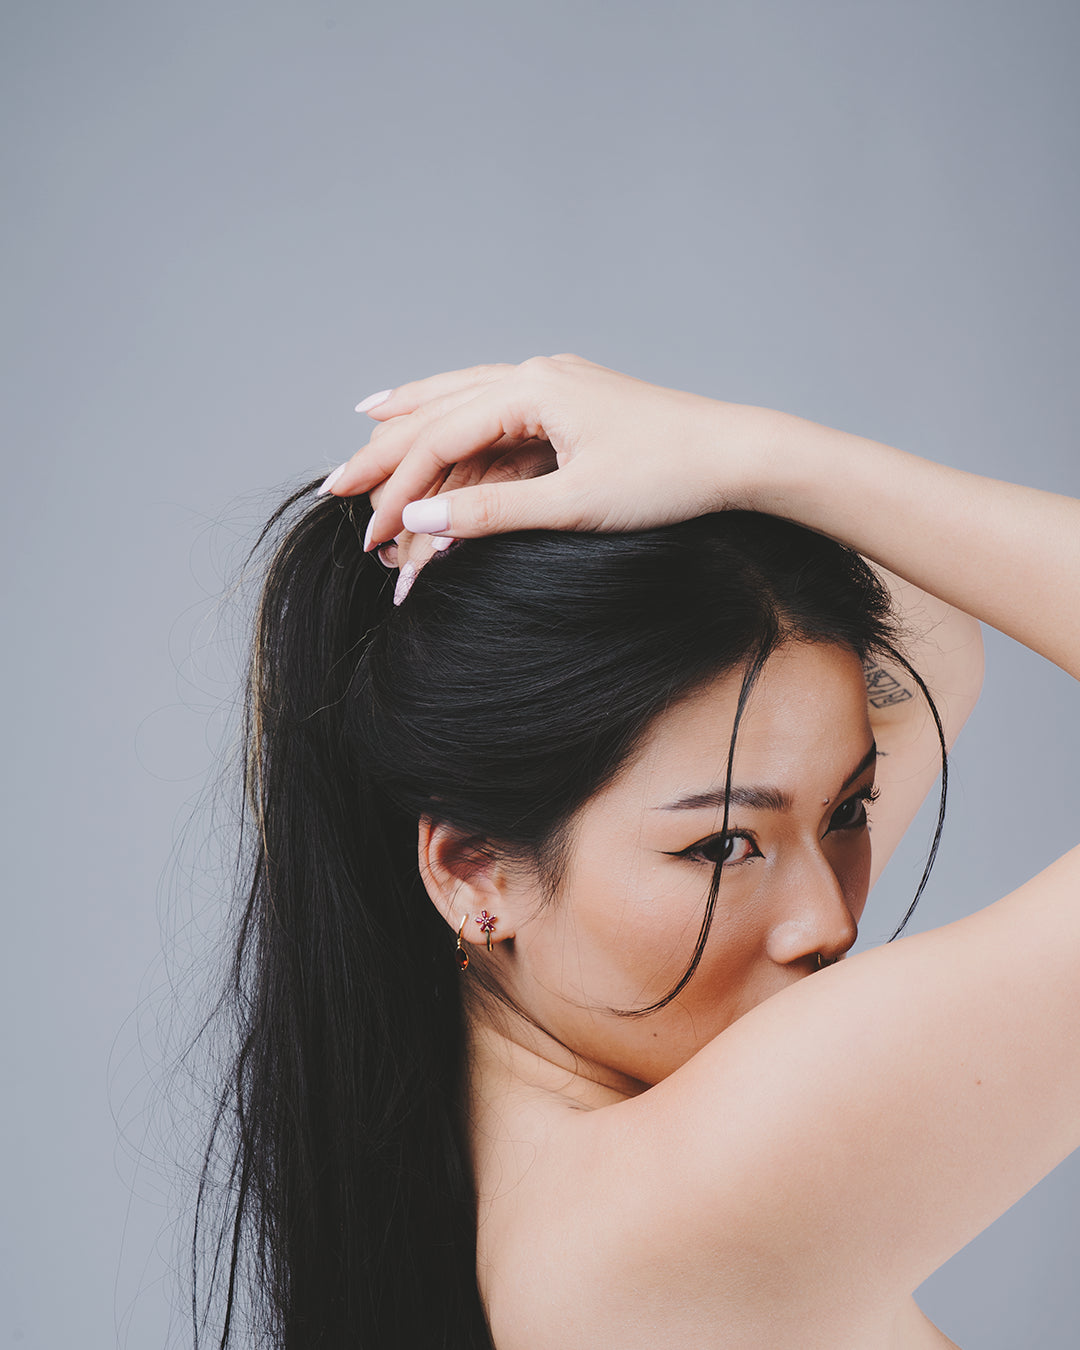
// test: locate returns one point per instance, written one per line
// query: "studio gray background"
(227, 222)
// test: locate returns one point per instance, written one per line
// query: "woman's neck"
(508, 1053)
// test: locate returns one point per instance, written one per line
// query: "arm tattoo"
(884, 689)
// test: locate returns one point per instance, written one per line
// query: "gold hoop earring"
(823, 961)
(462, 954)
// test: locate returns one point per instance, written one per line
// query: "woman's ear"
(465, 879)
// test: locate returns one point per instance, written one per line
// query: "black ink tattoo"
(884, 689)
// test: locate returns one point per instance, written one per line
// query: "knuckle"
(485, 507)
(541, 365)
(424, 452)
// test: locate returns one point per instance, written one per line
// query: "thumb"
(493, 508)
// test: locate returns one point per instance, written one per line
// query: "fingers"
(391, 440)
(417, 549)
(402, 415)
(626, 454)
(406, 398)
(389, 443)
(421, 549)
(431, 430)
(497, 417)
(496, 508)
(531, 460)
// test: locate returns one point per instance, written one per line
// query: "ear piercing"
(823, 961)
(487, 924)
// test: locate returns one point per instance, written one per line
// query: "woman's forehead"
(806, 714)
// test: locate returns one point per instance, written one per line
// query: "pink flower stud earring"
(487, 924)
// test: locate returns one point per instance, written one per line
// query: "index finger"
(406, 398)
(390, 441)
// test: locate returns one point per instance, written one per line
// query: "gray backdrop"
(229, 221)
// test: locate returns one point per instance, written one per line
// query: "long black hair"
(337, 1206)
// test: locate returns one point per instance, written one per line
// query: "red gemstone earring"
(487, 924)
(462, 954)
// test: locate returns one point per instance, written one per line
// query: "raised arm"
(1008, 555)
(628, 455)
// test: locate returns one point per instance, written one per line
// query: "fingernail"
(406, 577)
(368, 533)
(330, 480)
(373, 400)
(440, 542)
(431, 515)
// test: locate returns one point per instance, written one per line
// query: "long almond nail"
(373, 400)
(330, 479)
(406, 577)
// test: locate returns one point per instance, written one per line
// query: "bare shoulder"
(570, 1258)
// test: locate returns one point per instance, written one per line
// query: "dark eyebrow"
(759, 798)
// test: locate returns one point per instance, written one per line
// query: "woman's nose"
(812, 915)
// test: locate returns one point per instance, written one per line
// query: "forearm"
(1008, 555)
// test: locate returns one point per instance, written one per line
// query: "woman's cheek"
(854, 876)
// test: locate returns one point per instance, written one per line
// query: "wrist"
(820, 477)
(757, 459)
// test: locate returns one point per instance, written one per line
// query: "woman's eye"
(729, 849)
(851, 815)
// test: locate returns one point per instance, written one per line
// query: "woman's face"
(794, 883)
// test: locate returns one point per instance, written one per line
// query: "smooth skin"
(802, 1148)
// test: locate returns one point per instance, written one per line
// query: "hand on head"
(409, 550)
(455, 454)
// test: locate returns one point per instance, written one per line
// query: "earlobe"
(464, 880)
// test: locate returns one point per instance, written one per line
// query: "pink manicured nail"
(368, 533)
(431, 515)
(330, 480)
(440, 542)
(373, 400)
(406, 577)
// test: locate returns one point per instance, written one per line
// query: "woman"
(546, 853)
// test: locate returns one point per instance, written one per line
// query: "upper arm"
(945, 646)
(871, 1120)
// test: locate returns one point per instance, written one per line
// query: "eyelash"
(695, 853)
